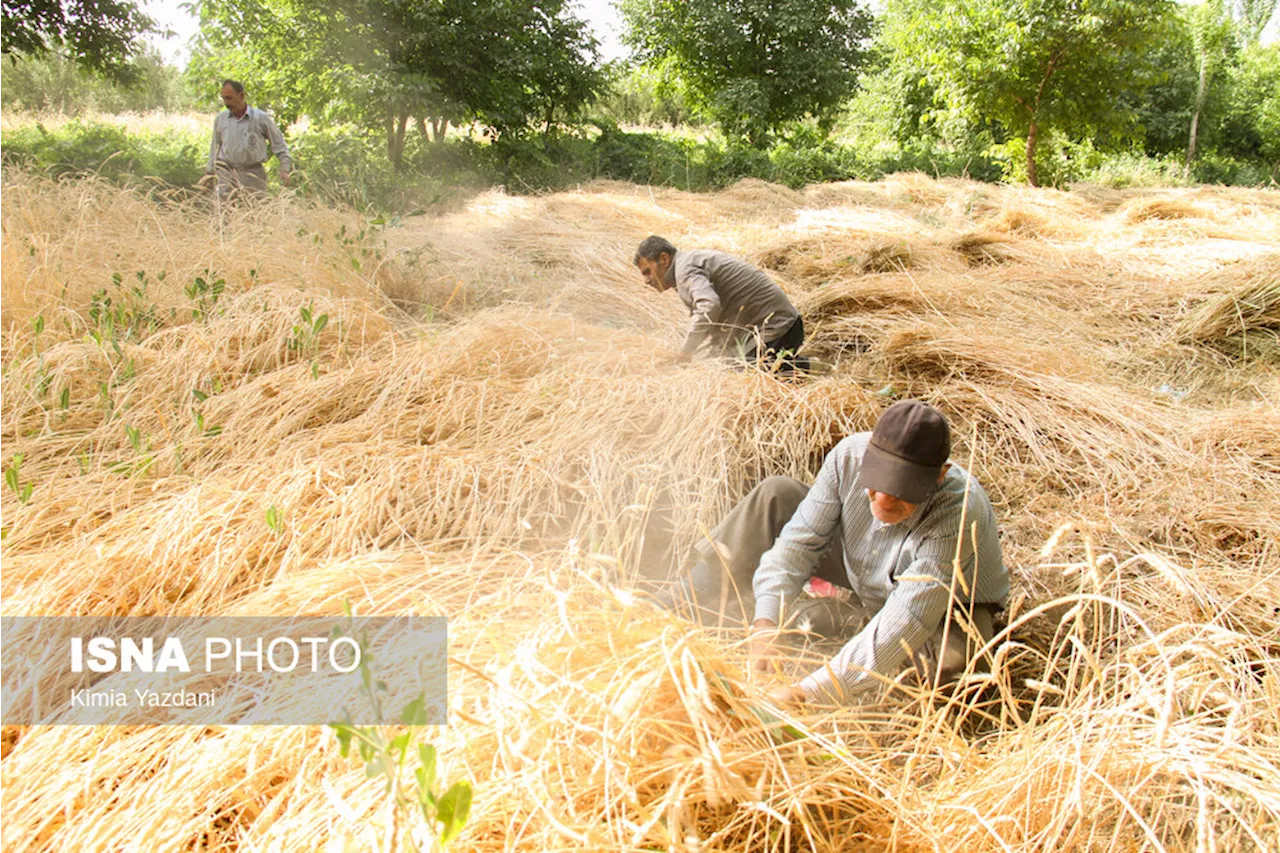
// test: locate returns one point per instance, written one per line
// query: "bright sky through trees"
(174, 15)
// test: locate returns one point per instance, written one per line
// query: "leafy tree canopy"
(53, 82)
(1034, 66)
(752, 65)
(1213, 37)
(1164, 110)
(504, 63)
(100, 35)
(1252, 125)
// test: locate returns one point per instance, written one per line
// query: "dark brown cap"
(909, 446)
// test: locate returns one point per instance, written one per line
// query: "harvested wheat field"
(486, 426)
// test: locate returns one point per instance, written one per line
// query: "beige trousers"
(251, 181)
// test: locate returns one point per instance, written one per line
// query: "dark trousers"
(780, 355)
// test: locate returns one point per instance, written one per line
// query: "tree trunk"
(1201, 89)
(433, 130)
(1032, 132)
(395, 139)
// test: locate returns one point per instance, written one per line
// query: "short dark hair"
(234, 84)
(651, 247)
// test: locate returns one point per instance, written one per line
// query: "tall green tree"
(752, 65)
(1251, 127)
(1164, 110)
(1034, 66)
(380, 63)
(54, 83)
(1213, 38)
(100, 35)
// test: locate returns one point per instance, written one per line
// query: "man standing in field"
(735, 309)
(241, 136)
(885, 524)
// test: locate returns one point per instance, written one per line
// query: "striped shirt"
(242, 142)
(902, 572)
(729, 301)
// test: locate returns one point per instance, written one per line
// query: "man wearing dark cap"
(734, 308)
(885, 522)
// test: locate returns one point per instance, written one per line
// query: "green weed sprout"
(385, 750)
(13, 477)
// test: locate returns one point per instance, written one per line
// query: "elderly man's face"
(887, 509)
(655, 271)
(234, 100)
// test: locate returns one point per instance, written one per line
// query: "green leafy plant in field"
(204, 292)
(305, 339)
(385, 751)
(125, 312)
(306, 335)
(357, 247)
(13, 479)
(119, 314)
(43, 379)
(142, 459)
(206, 430)
(108, 401)
(273, 519)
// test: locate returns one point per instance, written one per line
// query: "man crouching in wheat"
(881, 529)
(735, 309)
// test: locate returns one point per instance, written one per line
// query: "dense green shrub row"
(171, 156)
(347, 164)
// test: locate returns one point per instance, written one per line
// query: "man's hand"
(284, 178)
(792, 696)
(760, 651)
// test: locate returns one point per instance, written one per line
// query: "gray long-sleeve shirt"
(902, 572)
(242, 142)
(729, 301)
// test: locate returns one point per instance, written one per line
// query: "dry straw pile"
(473, 416)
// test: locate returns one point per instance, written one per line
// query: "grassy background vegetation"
(350, 165)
